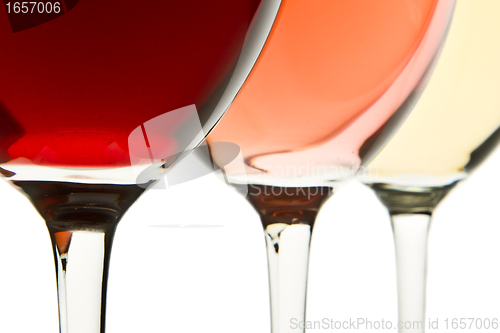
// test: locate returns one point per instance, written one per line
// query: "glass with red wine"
(97, 100)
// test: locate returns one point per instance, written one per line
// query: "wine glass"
(97, 100)
(333, 82)
(452, 129)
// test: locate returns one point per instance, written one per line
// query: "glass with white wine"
(451, 130)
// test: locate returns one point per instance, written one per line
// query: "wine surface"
(455, 124)
(330, 75)
(73, 89)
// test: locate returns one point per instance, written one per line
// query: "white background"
(167, 279)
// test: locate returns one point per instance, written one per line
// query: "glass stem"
(82, 263)
(288, 215)
(81, 219)
(288, 257)
(411, 211)
(410, 238)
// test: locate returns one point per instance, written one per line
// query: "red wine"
(73, 88)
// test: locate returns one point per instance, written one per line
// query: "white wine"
(450, 130)
(455, 123)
